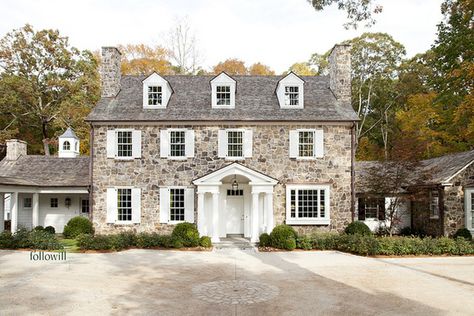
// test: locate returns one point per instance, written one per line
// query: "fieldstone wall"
(340, 72)
(110, 72)
(454, 213)
(270, 156)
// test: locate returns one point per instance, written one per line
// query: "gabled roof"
(45, 171)
(255, 100)
(69, 133)
(235, 169)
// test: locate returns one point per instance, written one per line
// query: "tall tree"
(302, 69)
(41, 75)
(232, 66)
(260, 69)
(141, 59)
(182, 47)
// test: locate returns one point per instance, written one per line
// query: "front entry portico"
(224, 209)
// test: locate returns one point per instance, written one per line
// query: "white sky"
(275, 32)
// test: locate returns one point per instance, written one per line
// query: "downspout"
(353, 145)
(441, 210)
(91, 169)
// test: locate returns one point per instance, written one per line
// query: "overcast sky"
(275, 32)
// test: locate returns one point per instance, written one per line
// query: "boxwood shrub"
(185, 235)
(359, 228)
(205, 241)
(76, 226)
(464, 233)
(35, 239)
(50, 229)
(264, 240)
(281, 234)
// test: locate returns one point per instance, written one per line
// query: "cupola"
(68, 144)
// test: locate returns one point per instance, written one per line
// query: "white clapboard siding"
(248, 143)
(164, 205)
(136, 205)
(137, 144)
(111, 143)
(189, 143)
(294, 139)
(222, 144)
(164, 143)
(111, 205)
(189, 205)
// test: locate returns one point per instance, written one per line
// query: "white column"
(35, 213)
(201, 215)
(254, 218)
(269, 211)
(14, 211)
(2, 212)
(215, 217)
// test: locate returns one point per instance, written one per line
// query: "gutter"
(353, 147)
(91, 169)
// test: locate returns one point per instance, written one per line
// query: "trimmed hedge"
(283, 237)
(185, 235)
(264, 240)
(50, 229)
(35, 239)
(205, 241)
(359, 228)
(76, 226)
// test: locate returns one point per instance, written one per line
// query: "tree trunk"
(45, 139)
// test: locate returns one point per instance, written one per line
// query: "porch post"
(35, 213)
(2, 212)
(14, 211)
(215, 217)
(269, 211)
(254, 218)
(201, 215)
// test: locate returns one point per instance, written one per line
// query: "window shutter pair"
(112, 204)
(247, 140)
(165, 143)
(318, 143)
(112, 144)
(165, 205)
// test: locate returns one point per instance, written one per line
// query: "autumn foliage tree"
(141, 59)
(232, 66)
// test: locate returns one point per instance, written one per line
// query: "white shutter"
(189, 205)
(248, 143)
(294, 139)
(164, 143)
(222, 144)
(136, 205)
(111, 143)
(111, 205)
(164, 205)
(189, 143)
(318, 143)
(137, 144)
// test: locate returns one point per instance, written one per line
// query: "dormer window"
(223, 92)
(66, 145)
(156, 92)
(155, 96)
(290, 92)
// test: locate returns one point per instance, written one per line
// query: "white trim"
(223, 80)
(468, 212)
(255, 177)
(117, 157)
(458, 172)
(155, 80)
(326, 220)
(290, 80)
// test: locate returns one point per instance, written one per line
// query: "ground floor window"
(434, 204)
(371, 208)
(177, 204)
(53, 202)
(85, 205)
(307, 204)
(124, 204)
(27, 202)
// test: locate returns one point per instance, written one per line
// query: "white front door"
(235, 214)
(469, 203)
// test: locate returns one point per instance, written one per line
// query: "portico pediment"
(254, 177)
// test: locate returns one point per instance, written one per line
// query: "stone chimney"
(340, 72)
(110, 71)
(15, 149)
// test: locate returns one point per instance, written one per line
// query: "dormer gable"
(223, 89)
(290, 92)
(156, 92)
(68, 144)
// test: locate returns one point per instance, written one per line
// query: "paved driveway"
(233, 282)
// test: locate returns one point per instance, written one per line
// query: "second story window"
(155, 95)
(235, 144)
(177, 144)
(306, 144)
(223, 95)
(292, 95)
(124, 144)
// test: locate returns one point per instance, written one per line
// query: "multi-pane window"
(124, 204)
(177, 144)
(307, 203)
(306, 144)
(292, 95)
(235, 143)
(124, 143)
(155, 95)
(27, 202)
(66, 145)
(53, 202)
(238, 192)
(177, 204)
(434, 204)
(371, 208)
(85, 206)
(223, 95)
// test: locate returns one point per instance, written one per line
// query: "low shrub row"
(40, 239)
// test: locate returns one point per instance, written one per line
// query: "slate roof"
(69, 133)
(45, 171)
(432, 171)
(255, 100)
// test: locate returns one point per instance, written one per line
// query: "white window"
(155, 96)
(176, 205)
(434, 204)
(156, 92)
(66, 145)
(306, 144)
(27, 202)
(53, 202)
(84, 206)
(124, 144)
(307, 204)
(223, 89)
(292, 95)
(123, 205)
(235, 144)
(177, 143)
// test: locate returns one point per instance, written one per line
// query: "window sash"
(235, 145)
(307, 203)
(85, 206)
(155, 95)
(66, 145)
(177, 143)
(53, 202)
(27, 202)
(292, 95)
(124, 205)
(306, 143)
(434, 204)
(223, 95)
(177, 207)
(124, 144)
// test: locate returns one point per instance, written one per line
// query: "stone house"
(438, 197)
(234, 154)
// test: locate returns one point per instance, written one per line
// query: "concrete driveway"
(234, 282)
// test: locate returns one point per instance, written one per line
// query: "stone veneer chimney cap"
(111, 47)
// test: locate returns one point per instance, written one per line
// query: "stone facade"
(270, 156)
(340, 72)
(110, 72)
